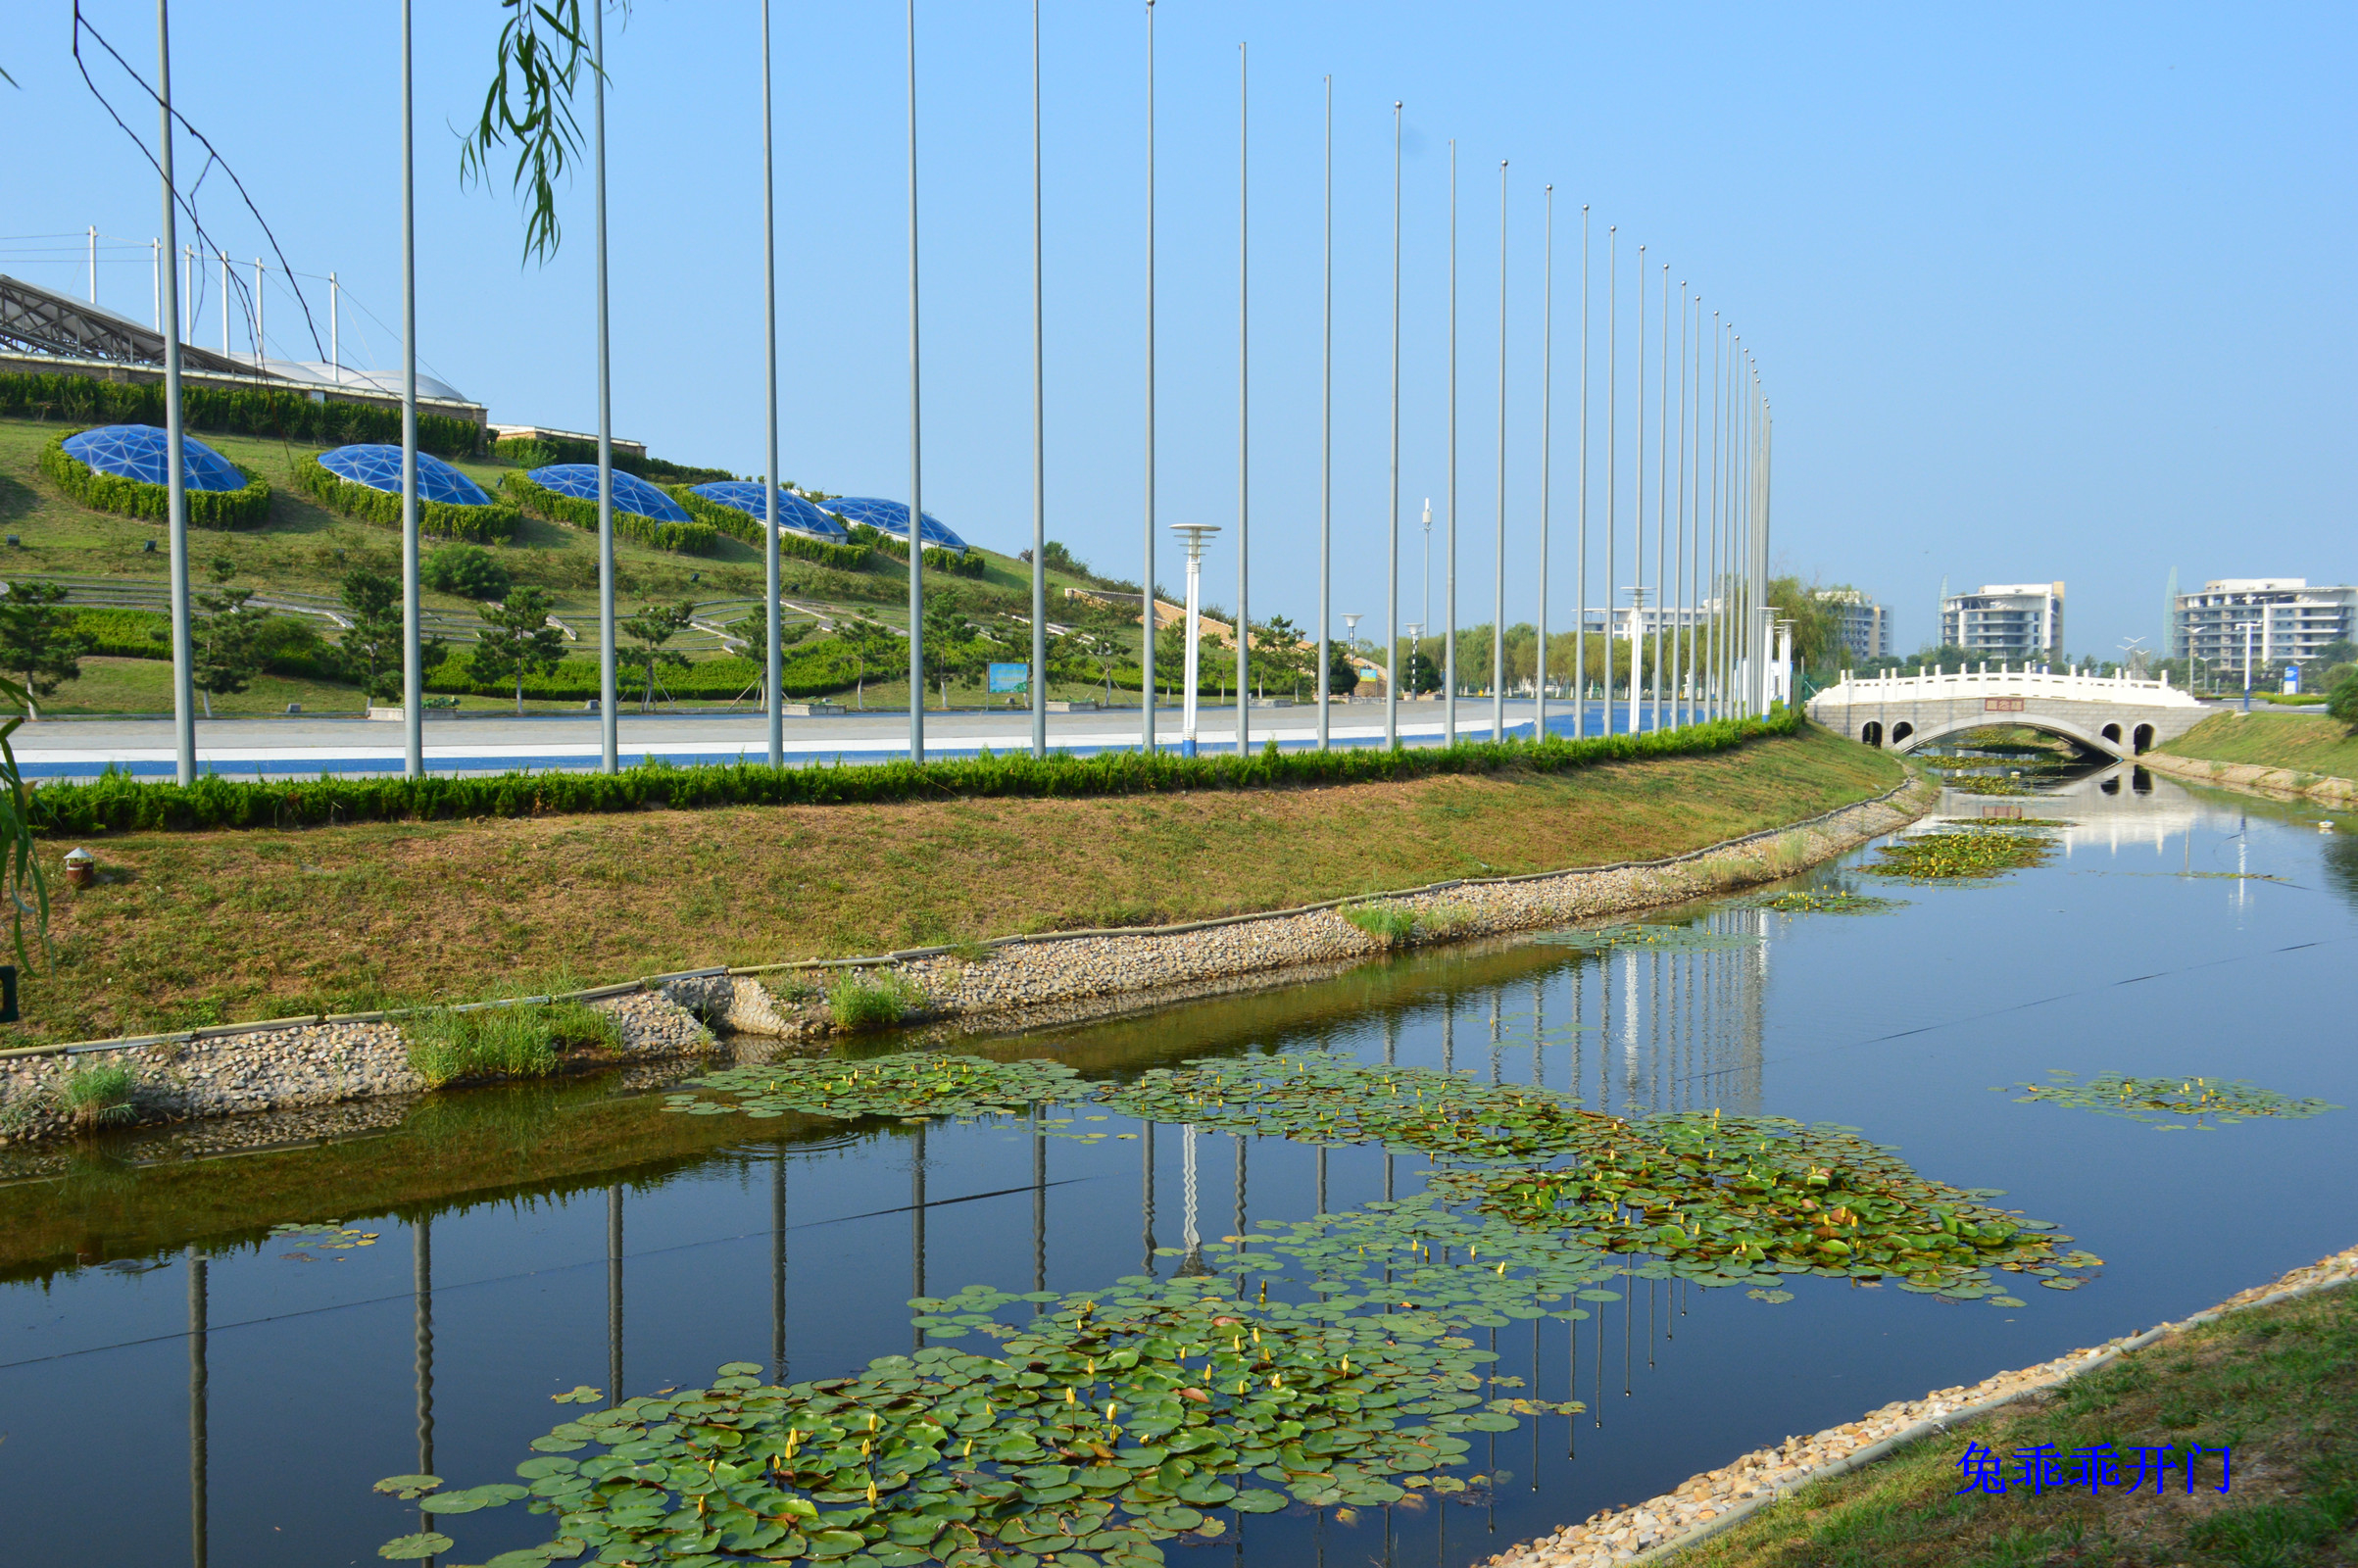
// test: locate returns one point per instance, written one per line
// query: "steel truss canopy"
(35, 320)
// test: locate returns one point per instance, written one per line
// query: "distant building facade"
(1860, 625)
(2004, 620)
(2288, 619)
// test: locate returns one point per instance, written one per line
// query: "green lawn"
(305, 548)
(2306, 743)
(2277, 1384)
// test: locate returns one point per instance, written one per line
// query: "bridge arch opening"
(1901, 731)
(2141, 738)
(2112, 733)
(1871, 733)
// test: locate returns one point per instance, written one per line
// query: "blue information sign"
(1010, 677)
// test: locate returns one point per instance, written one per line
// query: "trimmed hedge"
(534, 454)
(136, 498)
(969, 565)
(742, 525)
(812, 671)
(234, 411)
(288, 645)
(687, 538)
(117, 802)
(495, 523)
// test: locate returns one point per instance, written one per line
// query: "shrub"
(528, 453)
(2342, 702)
(969, 565)
(485, 524)
(808, 672)
(287, 645)
(136, 498)
(1392, 924)
(740, 525)
(97, 1095)
(857, 1003)
(517, 1041)
(467, 571)
(289, 415)
(690, 538)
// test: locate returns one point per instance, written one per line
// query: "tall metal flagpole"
(1612, 443)
(1719, 565)
(1039, 431)
(1580, 592)
(916, 438)
(413, 677)
(1637, 592)
(1145, 660)
(1498, 618)
(1694, 535)
(1539, 683)
(1448, 638)
(609, 735)
(1391, 551)
(1661, 497)
(1326, 443)
(175, 462)
(774, 654)
(1679, 646)
(1244, 434)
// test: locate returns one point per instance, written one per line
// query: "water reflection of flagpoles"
(1240, 1207)
(1191, 1240)
(1146, 1200)
(197, 1333)
(422, 1241)
(1039, 1203)
(614, 1294)
(916, 1216)
(777, 1265)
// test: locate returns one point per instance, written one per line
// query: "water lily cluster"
(2208, 1101)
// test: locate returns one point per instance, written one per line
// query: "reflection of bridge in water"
(2107, 713)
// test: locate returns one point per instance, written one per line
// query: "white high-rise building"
(1860, 625)
(2288, 619)
(2005, 621)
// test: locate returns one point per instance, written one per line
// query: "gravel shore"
(1625, 1535)
(295, 1068)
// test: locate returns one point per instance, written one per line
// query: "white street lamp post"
(1193, 534)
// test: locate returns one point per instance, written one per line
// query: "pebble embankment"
(301, 1066)
(1648, 1531)
(1016, 984)
(2279, 783)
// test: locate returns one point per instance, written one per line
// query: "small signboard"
(2002, 705)
(1010, 677)
(2292, 680)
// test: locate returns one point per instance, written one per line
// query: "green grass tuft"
(857, 1001)
(519, 1041)
(1389, 924)
(98, 1095)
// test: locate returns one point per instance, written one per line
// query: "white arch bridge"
(2108, 714)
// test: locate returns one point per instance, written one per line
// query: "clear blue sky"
(2039, 292)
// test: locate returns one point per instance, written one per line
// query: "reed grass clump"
(96, 1096)
(518, 1042)
(1392, 924)
(860, 1002)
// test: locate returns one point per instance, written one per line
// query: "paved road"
(309, 745)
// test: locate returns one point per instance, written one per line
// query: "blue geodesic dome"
(794, 512)
(143, 452)
(892, 517)
(631, 493)
(379, 469)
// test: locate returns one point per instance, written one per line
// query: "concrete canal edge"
(1716, 1501)
(297, 1063)
(2282, 783)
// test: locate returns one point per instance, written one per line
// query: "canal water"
(178, 1382)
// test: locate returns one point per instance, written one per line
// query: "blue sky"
(2038, 292)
